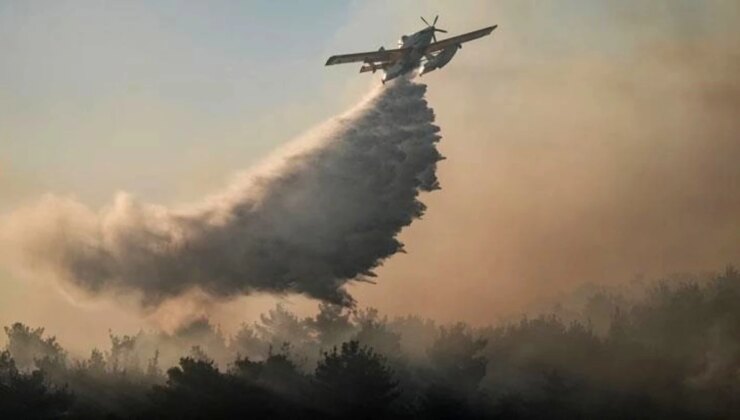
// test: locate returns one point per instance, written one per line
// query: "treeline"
(671, 352)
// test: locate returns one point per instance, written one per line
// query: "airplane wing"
(460, 39)
(368, 57)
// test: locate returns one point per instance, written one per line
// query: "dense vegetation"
(671, 352)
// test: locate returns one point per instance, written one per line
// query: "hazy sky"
(586, 141)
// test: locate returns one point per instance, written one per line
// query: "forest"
(671, 350)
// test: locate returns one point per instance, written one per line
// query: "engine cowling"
(440, 60)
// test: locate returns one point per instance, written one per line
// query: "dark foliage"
(355, 382)
(29, 395)
(671, 353)
(197, 390)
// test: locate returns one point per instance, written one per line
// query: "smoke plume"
(324, 213)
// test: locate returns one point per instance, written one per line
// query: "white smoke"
(326, 213)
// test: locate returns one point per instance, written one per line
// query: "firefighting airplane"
(415, 51)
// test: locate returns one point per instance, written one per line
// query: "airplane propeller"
(433, 27)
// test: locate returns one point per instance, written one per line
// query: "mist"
(669, 351)
(593, 154)
(324, 211)
(579, 153)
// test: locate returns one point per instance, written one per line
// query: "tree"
(26, 346)
(332, 324)
(245, 343)
(27, 395)
(204, 335)
(355, 382)
(122, 356)
(374, 333)
(457, 358)
(278, 374)
(197, 390)
(281, 326)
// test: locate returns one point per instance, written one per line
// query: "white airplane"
(415, 51)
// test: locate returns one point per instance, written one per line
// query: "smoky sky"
(323, 212)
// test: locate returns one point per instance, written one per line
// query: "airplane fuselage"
(417, 44)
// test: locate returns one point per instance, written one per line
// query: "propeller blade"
(440, 30)
(434, 37)
(435, 20)
(424, 20)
